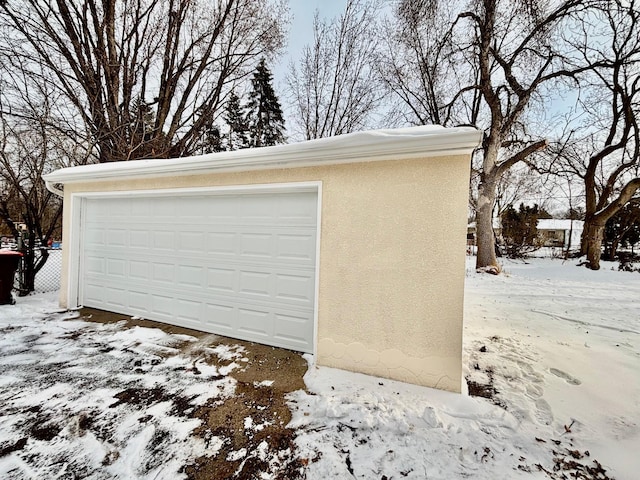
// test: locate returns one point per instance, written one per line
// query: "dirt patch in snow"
(249, 430)
(485, 386)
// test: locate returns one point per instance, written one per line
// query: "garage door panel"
(221, 208)
(139, 239)
(256, 245)
(163, 272)
(121, 207)
(220, 318)
(278, 263)
(191, 276)
(189, 310)
(162, 305)
(114, 208)
(255, 323)
(291, 328)
(223, 279)
(115, 297)
(230, 316)
(164, 207)
(163, 240)
(221, 243)
(301, 212)
(94, 237)
(195, 207)
(255, 283)
(138, 302)
(257, 209)
(295, 288)
(238, 265)
(191, 242)
(140, 209)
(116, 238)
(92, 294)
(95, 265)
(296, 247)
(287, 287)
(116, 267)
(138, 270)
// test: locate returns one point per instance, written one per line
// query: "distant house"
(555, 232)
(560, 232)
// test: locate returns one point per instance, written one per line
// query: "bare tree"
(612, 174)
(604, 151)
(421, 62)
(518, 184)
(23, 198)
(490, 78)
(334, 88)
(33, 141)
(175, 57)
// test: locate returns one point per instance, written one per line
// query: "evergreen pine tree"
(212, 140)
(520, 230)
(141, 139)
(266, 123)
(235, 118)
(143, 119)
(622, 230)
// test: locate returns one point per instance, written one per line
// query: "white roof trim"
(374, 145)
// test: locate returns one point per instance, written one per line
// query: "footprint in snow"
(543, 412)
(533, 391)
(565, 376)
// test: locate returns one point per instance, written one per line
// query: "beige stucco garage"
(349, 248)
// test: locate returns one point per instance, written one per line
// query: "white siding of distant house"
(573, 227)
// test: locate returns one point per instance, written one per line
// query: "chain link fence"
(48, 278)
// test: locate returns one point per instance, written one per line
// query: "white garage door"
(240, 265)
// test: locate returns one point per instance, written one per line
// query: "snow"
(355, 146)
(559, 224)
(559, 343)
(579, 332)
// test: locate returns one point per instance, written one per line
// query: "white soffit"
(373, 145)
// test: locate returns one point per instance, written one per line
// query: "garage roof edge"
(374, 145)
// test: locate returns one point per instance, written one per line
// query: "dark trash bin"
(9, 261)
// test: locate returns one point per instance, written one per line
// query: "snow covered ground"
(64, 410)
(557, 346)
(554, 347)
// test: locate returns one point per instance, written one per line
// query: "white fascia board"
(374, 145)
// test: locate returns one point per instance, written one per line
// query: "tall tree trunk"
(28, 274)
(613, 250)
(568, 241)
(486, 256)
(592, 243)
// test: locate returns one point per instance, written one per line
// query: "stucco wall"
(391, 261)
